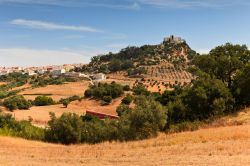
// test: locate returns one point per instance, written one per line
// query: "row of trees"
(19, 102)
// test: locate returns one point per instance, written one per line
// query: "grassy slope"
(213, 146)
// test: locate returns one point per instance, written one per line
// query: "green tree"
(43, 101)
(242, 87)
(67, 129)
(223, 61)
(65, 103)
(16, 102)
(127, 99)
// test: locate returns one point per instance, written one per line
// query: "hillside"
(166, 61)
(213, 146)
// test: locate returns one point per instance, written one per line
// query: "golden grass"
(213, 146)
(57, 91)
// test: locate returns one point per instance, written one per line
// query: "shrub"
(206, 98)
(88, 93)
(99, 91)
(140, 90)
(127, 100)
(126, 88)
(67, 129)
(123, 109)
(10, 127)
(16, 102)
(66, 102)
(43, 101)
(144, 121)
(107, 99)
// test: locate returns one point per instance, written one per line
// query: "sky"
(45, 32)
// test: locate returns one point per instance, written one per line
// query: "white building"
(99, 76)
(31, 72)
(41, 71)
(58, 72)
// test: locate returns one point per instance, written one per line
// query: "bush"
(65, 103)
(127, 100)
(206, 98)
(16, 102)
(10, 127)
(67, 129)
(99, 91)
(144, 121)
(123, 109)
(141, 90)
(43, 101)
(107, 99)
(126, 88)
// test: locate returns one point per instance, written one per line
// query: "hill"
(212, 146)
(173, 50)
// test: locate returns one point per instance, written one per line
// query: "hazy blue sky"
(39, 32)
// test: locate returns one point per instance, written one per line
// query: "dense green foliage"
(107, 99)
(203, 100)
(100, 90)
(228, 63)
(127, 99)
(241, 87)
(17, 102)
(10, 127)
(43, 101)
(223, 62)
(140, 89)
(144, 121)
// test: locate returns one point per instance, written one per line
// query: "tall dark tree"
(223, 61)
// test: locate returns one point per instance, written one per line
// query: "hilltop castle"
(174, 39)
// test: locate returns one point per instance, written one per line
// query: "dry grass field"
(57, 91)
(40, 115)
(221, 146)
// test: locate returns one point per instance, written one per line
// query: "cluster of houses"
(55, 71)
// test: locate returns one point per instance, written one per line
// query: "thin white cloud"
(36, 24)
(194, 3)
(129, 4)
(41, 57)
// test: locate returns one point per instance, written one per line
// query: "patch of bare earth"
(214, 146)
